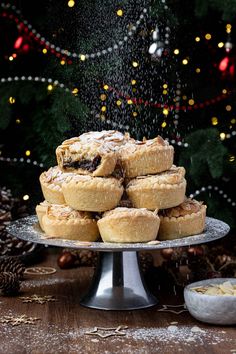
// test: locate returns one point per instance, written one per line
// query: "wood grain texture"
(63, 323)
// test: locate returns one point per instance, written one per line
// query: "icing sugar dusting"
(26, 229)
(136, 340)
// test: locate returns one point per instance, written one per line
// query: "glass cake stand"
(118, 282)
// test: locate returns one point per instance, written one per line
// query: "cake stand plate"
(118, 282)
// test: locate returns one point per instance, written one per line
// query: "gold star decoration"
(176, 309)
(40, 270)
(103, 332)
(18, 320)
(38, 299)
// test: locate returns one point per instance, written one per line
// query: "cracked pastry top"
(51, 182)
(146, 157)
(188, 207)
(64, 212)
(186, 219)
(160, 191)
(174, 175)
(64, 222)
(97, 154)
(92, 153)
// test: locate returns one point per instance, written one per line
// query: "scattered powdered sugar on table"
(45, 340)
(172, 328)
(196, 329)
(22, 340)
(39, 283)
(26, 229)
(49, 280)
(177, 334)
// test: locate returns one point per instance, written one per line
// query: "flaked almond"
(83, 243)
(154, 242)
(150, 142)
(140, 142)
(160, 140)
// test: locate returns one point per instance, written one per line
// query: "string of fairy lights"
(191, 105)
(214, 189)
(52, 84)
(188, 107)
(22, 160)
(208, 188)
(138, 101)
(65, 52)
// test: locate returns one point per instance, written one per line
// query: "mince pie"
(160, 191)
(41, 210)
(51, 182)
(61, 221)
(129, 225)
(184, 220)
(92, 193)
(92, 153)
(139, 158)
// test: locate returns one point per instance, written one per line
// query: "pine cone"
(5, 218)
(6, 200)
(87, 258)
(11, 209)
(12, 265)
(70, 258)
(9, 283)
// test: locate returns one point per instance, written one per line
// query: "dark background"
(36, 113)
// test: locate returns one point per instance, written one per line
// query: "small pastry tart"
(129, 225)
(92, 193)
(145, 157)
(184, 220)
(61, 221)
(92, 153)
(51, 182)
(161, 191)
(41, 210)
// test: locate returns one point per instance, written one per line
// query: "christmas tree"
(146, 67)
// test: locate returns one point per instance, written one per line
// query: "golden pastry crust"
(51, 182)
(41, 210)
(161, 191)
(146, 157)
(61, 221)
(184, 220)
(92, 153)
(92, 193)
(129, 225)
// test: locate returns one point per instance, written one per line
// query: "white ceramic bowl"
(216, 309)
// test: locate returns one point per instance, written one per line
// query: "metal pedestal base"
(118, 284)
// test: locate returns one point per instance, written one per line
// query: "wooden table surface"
(63, 324)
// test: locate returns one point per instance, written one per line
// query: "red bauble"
(227, 66)
(18, 42)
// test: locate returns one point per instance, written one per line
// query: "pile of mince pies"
(110, 185)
